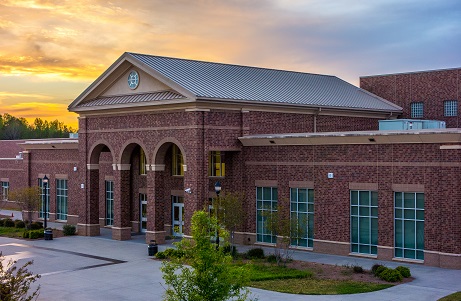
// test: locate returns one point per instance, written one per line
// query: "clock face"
(133, 80)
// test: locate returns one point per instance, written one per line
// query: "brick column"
(122, 224)
(88, 218)
(156, 204)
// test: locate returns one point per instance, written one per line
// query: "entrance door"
(178, 214)
(143, 215)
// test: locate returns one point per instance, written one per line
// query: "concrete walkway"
(99, 268)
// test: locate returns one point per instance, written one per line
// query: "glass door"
(143, 215)
(178, 214)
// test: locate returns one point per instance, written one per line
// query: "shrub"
(8, 222)
(404, 271)
(174, 253)
(33, 234)
(374, 269)
(272, 258)
(2, 221)
(160, 255)
(390, 275)
(255, 253)
(68, 230)
(36, 226)
(357, 269)
(19, 224)
(16, 281)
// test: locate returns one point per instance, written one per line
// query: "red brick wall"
(430, 87)
(423, 164)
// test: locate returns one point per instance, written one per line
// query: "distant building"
(157, 133)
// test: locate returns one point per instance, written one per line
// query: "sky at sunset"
(51, 50)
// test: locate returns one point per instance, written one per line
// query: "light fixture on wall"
(188, 190)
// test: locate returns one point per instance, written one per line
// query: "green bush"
(160, 255)
(33, 234)
(272, 258)
(357, 269)
(36, 226)
(375, 267)
(379, 270)
(255, 253)
(19, 224)
(2, 222)
(404, 271)
(390, 275)
(68, 230)
(8, 222)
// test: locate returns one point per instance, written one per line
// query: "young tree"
(15, 282)
(287, 230)
(209, 277)
(231, 213)
(28, 198)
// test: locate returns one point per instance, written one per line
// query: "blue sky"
(51, 50)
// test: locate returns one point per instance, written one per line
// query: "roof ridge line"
(228, 64)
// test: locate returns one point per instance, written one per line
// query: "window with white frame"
(61, 199)
(364, 222)
(109, 203)
(177, 164)
(5, 190)
(409, 225)
(266, 204)
(44, 201)
(450, 108)
(417, 109)
(302, 217)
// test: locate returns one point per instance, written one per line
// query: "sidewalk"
(99, 268)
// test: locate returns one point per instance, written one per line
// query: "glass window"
(178, 161)
(302, 216)
(42, 198)
(5, 190)
(266, 204)
(409, 225)
(142, 162)
(450, 108)
(216, 164)
(364, 222)
(417, 109)
(109, 203)
(61, 199)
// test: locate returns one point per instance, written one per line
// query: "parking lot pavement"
(98, 268)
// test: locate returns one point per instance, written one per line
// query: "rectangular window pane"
(265, 206)
(450, 108)
(364, 222)
(302, 216)
(417, 109)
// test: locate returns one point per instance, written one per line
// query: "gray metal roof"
(134, 98)
(234, 82)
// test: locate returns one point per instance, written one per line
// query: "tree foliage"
(28, 198)
(231, 213)
(287, 230)
(13, 128)
(15, 282)
(209, 276)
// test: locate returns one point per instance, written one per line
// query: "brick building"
(156, 133)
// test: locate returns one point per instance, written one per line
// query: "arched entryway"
(99, 177)
(167, 190)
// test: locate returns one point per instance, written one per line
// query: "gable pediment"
(112, 88)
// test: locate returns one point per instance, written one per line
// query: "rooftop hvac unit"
(73, 135)
(400, 124)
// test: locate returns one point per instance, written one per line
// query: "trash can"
(152, 248)
(48, 234)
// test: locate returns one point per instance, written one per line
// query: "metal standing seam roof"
(234, 82)
(134, 98)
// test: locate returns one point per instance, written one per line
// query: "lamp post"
(217, 189)
(45, 186)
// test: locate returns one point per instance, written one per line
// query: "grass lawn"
(312, 286)
(274, 278)
(11, 232)
(452, 297)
